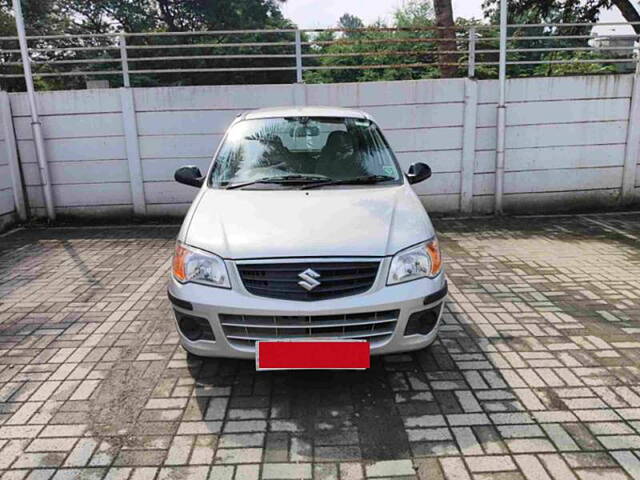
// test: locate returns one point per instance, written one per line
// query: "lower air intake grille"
(247, 329)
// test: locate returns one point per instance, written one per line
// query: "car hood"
(360, 221)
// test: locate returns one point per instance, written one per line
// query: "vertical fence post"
(11, 149)
(471, 70)
(36, 126)
(502, 114)
(122, 40)
(130, 125)
(632, 147)
(467, 169)
(298, 57)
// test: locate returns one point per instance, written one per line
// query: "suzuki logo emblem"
(309, 281)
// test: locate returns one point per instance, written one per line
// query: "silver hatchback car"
(305, 227)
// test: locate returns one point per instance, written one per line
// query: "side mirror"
(190, 175)
(418, 172)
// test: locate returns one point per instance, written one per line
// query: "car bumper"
(208, 303)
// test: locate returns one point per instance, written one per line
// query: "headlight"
(419, 261)
(197, 266)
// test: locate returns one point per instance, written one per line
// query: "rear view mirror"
(418, 172)
(304, 131)
(189, 175)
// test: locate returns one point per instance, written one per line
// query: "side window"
(373, 153)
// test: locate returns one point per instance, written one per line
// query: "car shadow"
(322, 415)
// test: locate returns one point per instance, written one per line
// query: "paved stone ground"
(536, 374)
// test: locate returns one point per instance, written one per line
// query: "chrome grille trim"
(310, 325)
(247, 329)
(355, 335)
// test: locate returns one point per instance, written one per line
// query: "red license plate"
(312, 355)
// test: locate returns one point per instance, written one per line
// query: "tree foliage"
(410, 52)
(549, 44)
(100, 16)
(566, 11)
(138, 16)
(350, 22)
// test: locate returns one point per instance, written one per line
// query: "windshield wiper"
(351, 181)
(282, 179)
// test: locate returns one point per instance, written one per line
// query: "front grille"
(247, 329)
(280, 280)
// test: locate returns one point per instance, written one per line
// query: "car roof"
(306, 111)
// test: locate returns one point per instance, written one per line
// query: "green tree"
(104, 16)
(350, 22)
(362, 58)
(41, 17)
(173, 15)
(574, 63)
(564, 10)
(549, 44)
(139, 16)
(414, 14)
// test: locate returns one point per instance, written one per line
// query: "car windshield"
(304, 150)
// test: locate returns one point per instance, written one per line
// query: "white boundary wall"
(7, 202)
(567, 138)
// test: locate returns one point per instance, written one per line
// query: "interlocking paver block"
(325, 471)
(82, 452)
(351, 471)
(11, 450)
(281, 471)
(493, 463)
(390, 468)
(245, 472)
(629, 462)
(183, 473)
(180, 450)
(238, 455)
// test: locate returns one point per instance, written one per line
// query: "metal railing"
(315, 55)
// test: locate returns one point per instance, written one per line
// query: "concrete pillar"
(468, 145)
(133, 150)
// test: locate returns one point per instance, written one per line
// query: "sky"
(325, 13)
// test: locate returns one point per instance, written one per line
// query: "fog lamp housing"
(423, 322)
(194, 328)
